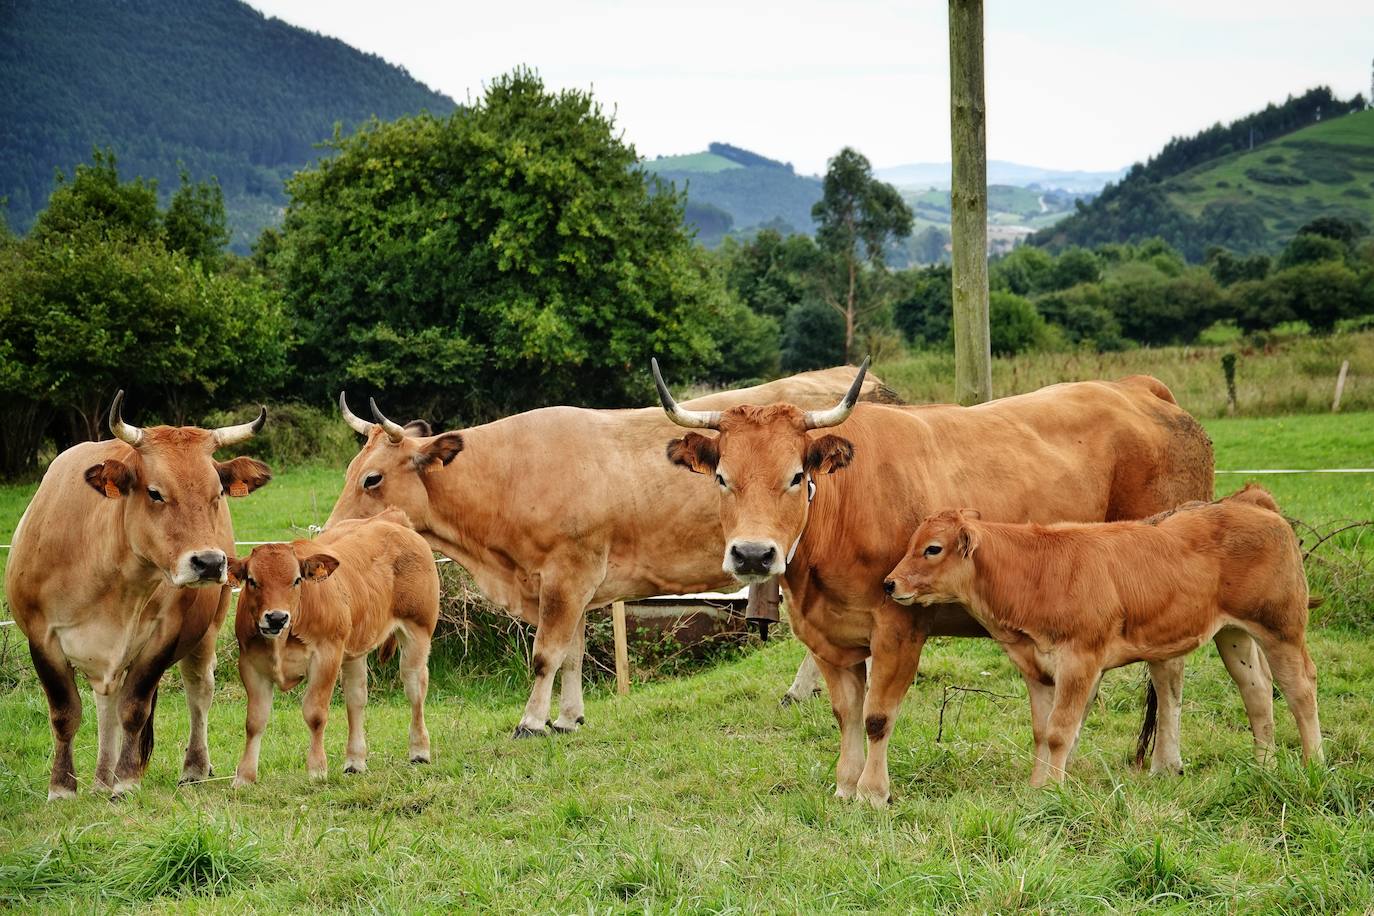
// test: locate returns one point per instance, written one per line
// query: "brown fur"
(1069, 602)
(556, 510)
(1083, 451)
(90, 579)
(361, 585)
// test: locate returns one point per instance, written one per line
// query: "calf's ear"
(242, 475)
(439, 451)
(238, 570)
(319, 567)
(695, 452)
(967, 541)
(829, 453)
(110, 478)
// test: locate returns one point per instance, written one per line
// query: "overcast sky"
(1093, 85)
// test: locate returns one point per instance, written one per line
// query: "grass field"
(700, 794)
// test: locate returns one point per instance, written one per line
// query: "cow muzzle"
(273, 623)
(753, 561)
(203, 567)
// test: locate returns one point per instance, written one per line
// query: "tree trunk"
(849, 316)
(969, 203)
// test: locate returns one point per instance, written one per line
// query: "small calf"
(1068, 602)
(309, 609)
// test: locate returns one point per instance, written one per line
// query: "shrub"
(1014, 324)
(812, 337)
(295, 433)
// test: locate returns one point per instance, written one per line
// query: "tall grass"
(1290, 376)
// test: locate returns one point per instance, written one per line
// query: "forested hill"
(211, 84)
(1247, 186)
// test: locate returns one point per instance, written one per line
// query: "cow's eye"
(797, 479)
(297, 582)
(154, 495)
(933, 550)
(250, 582)
(372, 480)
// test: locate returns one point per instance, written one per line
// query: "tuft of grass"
(192, 858)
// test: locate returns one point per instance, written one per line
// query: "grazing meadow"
(700, 793)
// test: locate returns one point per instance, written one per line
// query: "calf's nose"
(889, 586)
(276, 619)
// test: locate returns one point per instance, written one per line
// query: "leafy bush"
(812, 337)
(1014, 325)
(294, 434)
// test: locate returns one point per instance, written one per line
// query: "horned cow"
(312, 609)
(118, 571)
(1068, 602)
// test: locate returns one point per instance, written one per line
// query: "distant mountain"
(729, 188)
(923, 175)
(1247, 186)
(211, 84)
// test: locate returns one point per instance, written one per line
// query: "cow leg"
(258, 686)
(896, 653)
(415, 644)
(323, 675)
(1167, 677)
(64, 715)
(107, 741)
(1247, 667)
(806, 684)
(846, 686)
(1297, 678)
(570, 711)
(198, 676)
(355, 702)
(1073, 690)
(1041, 701)
(560, 613)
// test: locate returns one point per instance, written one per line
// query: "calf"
(1068, 602)
(310, 609)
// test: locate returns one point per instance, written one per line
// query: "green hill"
(1246, 186)
(211, 84)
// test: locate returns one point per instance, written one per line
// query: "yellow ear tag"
(112, 491)
(238, 488)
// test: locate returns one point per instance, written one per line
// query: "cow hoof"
(56, 793)
(567, 729)
(877, 800)
(319, 775)
(241, 782)
(1171, 769)
(353, 768)
(419, 758)
(123, 790)
(845, 792)
(188, 779)
(524, 731)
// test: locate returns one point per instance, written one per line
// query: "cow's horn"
(820, 419)
(357, 423)
(394, 430)
(692, 419)
(233, 435)
(121, 430)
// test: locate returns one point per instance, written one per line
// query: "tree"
(1014, 325)
(1309, 248)
(812, 338)
(857, 215)
(95, 197)
(925, 306)
(195, 223)
(511, 255)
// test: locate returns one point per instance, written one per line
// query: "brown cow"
(1069, 602)
(117, 571)
(310, 609)
(1083, 451)
(556, 510)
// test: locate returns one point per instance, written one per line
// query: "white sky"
(1095, 84)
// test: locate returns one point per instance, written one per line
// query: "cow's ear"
(238, 570)
(242, 475)
(967, 541)
(420, 429)
(319, 567)
(439, 451)
(695, 452)
(829, 454)
(110, 478)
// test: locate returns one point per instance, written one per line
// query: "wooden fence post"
(1340, 385)
(622, 648)
(969, 203)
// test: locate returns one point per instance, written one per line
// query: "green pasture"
(701, 794)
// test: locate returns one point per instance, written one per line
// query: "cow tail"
(1315, 601)
(387, 650)
(145, 742)
(1145, 743)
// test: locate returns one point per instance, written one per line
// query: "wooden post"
(622, 648)
(969, 203)
(1340, 385)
